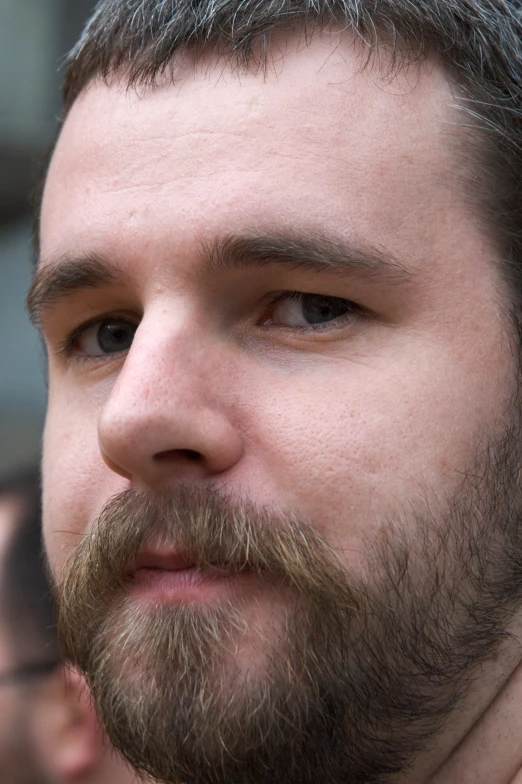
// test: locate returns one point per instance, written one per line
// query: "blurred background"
(48, 732)
(35, 35)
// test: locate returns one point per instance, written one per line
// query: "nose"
(169, 414)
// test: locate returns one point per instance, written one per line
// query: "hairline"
(400, 55)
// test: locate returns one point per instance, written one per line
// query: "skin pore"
(364, 421)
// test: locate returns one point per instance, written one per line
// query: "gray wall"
(22, 387)
(34, 36)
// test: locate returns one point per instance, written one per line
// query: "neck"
(482, 742)
(492, 749)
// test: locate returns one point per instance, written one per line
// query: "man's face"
(320, 333)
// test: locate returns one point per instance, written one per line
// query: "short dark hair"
(479, 41)
(27, 606)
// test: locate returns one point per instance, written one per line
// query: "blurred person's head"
(48, 730)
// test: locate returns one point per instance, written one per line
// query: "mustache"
(210, 529)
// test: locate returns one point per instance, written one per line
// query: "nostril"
(190, 453)
(172, 454)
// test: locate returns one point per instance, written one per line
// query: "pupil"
(318, 310)
(116, 336)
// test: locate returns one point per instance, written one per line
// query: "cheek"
(354, 446)
(76, 482)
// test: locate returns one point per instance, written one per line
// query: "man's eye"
(300, 311)
(104, 337)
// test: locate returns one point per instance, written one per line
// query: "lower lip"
(187, 584)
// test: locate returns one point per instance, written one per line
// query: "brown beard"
(360, 671)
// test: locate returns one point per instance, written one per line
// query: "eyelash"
(66, 346)
(353, 309)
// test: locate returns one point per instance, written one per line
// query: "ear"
(71, 743)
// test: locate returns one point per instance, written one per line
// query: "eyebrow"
(312, 251)
(67, 275)
(308, 251)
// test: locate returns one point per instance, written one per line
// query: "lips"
(170, 576)
(173, 561)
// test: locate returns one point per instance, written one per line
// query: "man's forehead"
(327, 85)
(322, 121)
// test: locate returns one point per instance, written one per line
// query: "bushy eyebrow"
(55, 280)
(312, 251)
(308, 251)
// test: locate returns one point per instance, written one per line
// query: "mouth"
(173, 576)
